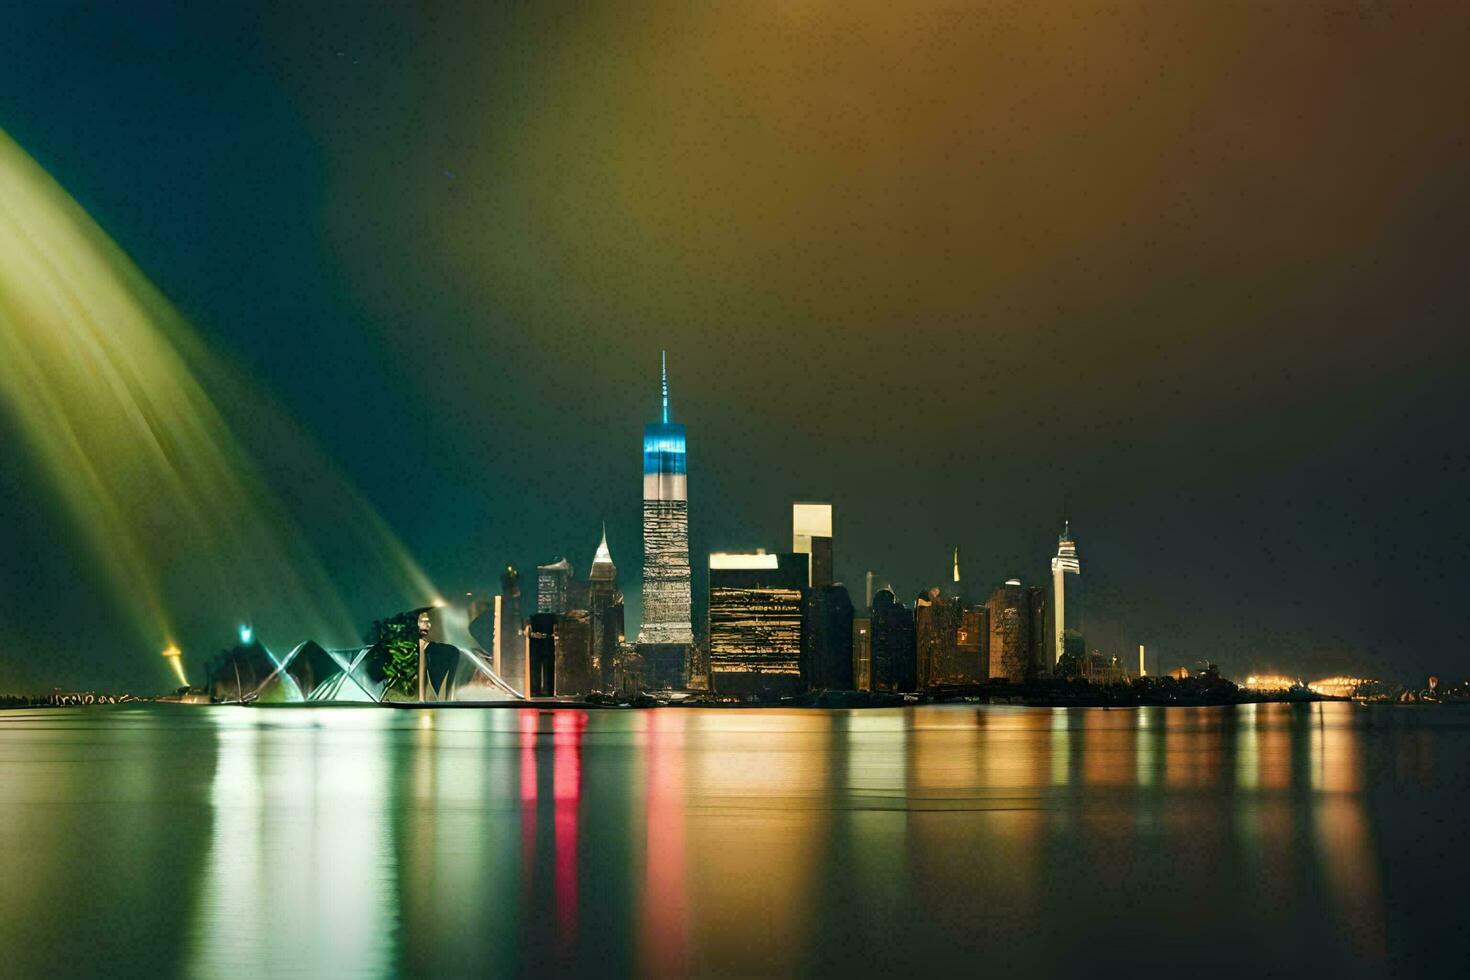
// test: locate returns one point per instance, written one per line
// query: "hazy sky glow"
(1193, 272)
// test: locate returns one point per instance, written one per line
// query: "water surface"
(229, 841)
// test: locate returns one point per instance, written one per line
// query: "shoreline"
(824, 701)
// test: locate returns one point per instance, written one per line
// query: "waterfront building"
(509, 656)
(826, 638)
(894, 665)
(972, 646)
(573, 654)
(608, 642)
(1064, 619)
(666, 590)
(605, 612)
(933, 635)
(811, 535)
(755, 615)
(862, 653)
(553, 587)
(542, 642)
(948, 635)
(1010, 632)
(666, 632)
(1038, 650)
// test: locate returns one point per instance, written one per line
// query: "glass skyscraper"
(666, 589)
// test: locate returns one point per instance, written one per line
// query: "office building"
(972, 647)
(553, 587)
(573, 654)
(892, 631)
(1010, 632)
(811, 535)
(755, 615)
(862, 653)
(1038, 653)
(541, 635)
(826, 639)
(510, 652)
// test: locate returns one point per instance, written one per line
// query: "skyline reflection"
(366, 842)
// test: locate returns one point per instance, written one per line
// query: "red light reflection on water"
(567, 728)
(663, 918)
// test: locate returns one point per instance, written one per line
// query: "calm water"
(250, 842)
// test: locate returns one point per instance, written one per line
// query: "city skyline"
(733, 490)
(1096, 300)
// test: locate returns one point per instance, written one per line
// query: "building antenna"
(664, 357)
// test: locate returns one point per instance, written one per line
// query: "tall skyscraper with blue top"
(666, 588)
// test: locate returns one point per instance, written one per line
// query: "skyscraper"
(826, 638)
(1010, 631)
(573, 654)
(607, 627)
(666, 590)
(894, 664)
(1065, 563)
(541, 680)
(862, 653)
(553, 587)
(811, 535)
(755, 621)
(510, 638)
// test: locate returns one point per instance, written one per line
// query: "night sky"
(1191, 274)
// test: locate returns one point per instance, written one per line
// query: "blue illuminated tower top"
(664, 465)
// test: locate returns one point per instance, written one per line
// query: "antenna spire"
(664, 357)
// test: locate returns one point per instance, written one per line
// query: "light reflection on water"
(364, 842)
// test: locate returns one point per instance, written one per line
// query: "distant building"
(666, 589)
(950, 639)
(1064, 617)
(755, 621)
(894, 657)
(603, 598)
(1038, 655)
(553, 587)
(510, 651)
(607, 642)
(811, 535)
(862, 653)
(826, 639)
(972, 646)
(1010, 645)
(573, 654)
(936, 621)
(542, 636)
